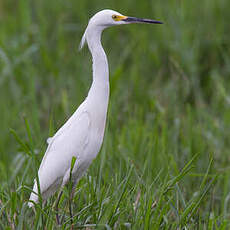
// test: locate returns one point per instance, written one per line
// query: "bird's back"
(81, 137)
(70, 140)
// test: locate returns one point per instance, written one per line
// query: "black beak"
(140, 20)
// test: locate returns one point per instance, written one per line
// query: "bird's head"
(107, 18)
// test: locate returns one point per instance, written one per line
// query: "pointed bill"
(140, 20)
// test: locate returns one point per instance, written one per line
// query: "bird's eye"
(114, 17)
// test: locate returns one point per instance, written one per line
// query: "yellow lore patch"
(118, 17)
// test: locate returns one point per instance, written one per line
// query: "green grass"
(165, 160)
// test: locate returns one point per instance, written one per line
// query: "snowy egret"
(82, 135)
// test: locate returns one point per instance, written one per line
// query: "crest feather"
(83, 41)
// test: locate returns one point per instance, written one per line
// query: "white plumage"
(82, 135)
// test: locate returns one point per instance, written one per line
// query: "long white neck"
(100, 85)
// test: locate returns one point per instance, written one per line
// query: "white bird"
(82, 135)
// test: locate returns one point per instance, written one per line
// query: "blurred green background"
(169, 99)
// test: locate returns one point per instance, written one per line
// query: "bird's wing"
(69, 122)
(71, 141)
